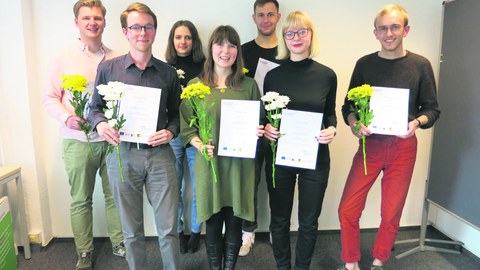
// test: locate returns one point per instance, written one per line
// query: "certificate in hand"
(390, 111)
(140, 106)
(263, 67)
(239, 120)
(298, 147)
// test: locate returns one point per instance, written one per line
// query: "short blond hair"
(297, 19)
(389, 9)
(89, 4)
(138, 7)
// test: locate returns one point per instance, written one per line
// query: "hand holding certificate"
(390, 106)
(140, 106)
(384, 110)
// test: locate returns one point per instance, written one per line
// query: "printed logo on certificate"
(298, 147)
(390, 110)
(239, 120)
(139, 106)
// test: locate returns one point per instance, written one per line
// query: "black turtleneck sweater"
(311, 87)
(190, 68)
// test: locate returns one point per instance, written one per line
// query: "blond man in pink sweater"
(83, 57)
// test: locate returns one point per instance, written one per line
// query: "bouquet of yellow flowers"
(77, 84)
(112, 94)
(195, 94)
(274, 104)
(361, 97)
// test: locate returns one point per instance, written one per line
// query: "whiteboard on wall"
(454, 180)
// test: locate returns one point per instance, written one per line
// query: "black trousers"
(233, 228)
(311, 190)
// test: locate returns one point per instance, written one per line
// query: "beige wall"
(40, 29)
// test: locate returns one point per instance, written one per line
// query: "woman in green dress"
(229, 200)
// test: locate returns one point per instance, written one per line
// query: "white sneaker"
(248, 238)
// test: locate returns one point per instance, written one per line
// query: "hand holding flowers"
(195, 94)
(274, 104)
(112, 94)
(77, 84)
(361, 97)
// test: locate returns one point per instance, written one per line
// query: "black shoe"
(183, 243)
(193, 242)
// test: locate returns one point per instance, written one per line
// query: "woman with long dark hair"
(230, 199)
(184, 53)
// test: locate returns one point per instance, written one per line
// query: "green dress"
(235, 176)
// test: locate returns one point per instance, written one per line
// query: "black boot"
(193, 242)
(215, 254)
(183, 242)
(231, 255)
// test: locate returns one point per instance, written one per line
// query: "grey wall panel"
(454, 180)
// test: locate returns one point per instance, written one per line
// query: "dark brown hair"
(219, 35)
(197, 51)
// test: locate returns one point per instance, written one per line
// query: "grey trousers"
(154, 170)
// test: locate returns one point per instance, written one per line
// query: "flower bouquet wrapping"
(195, 94)
(274, 104)
(77, 84)
(361, 97)
(112, 93)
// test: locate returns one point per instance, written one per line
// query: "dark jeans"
(311, 189)
(251, 226)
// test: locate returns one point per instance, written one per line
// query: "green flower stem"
(120, 166)
(213, 171)
(364, 155)
(210, 160)
(88, 142)
(273, 145)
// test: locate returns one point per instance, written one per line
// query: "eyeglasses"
(137, 29)
(393, 28)
(301, 33)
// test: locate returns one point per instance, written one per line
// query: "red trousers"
(396, 158)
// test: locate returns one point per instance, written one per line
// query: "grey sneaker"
(84, 261)
(119, 250)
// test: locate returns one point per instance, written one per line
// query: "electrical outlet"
(34, 238)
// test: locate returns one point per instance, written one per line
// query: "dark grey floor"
(60, 254)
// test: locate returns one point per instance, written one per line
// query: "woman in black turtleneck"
(311, 87)
(184, 52)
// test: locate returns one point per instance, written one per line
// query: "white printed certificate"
(263, 67)
(390, 110)
(239, 120)
(139, 106)
(298, 147)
